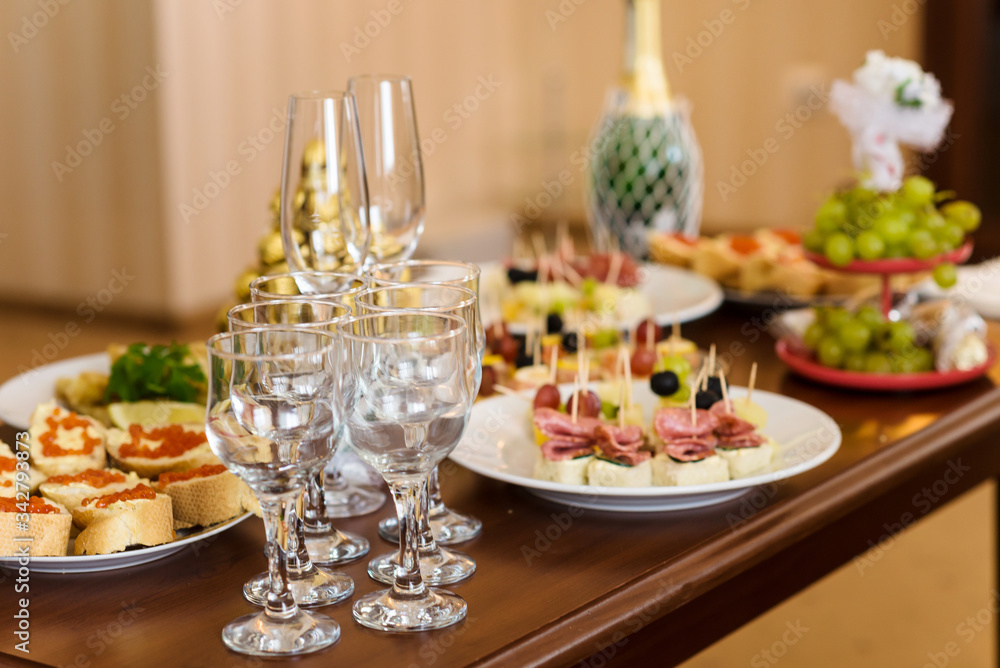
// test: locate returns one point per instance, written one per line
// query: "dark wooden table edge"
(663, 590)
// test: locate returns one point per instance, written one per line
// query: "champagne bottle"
(646, 175)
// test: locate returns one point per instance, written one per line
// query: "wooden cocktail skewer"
(498, 331)
(753, 379)
(553, 364)
(622, 398)
(576, 398)
(725, 391)
(628, 377)
(711, 360)
(537, 348)
(694, 392)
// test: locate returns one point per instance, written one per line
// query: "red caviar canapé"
(68, 421)
(7, 464)
(174, 440)
(36, 505)
(91, 477)
(140, 491)
(203, 471)
(743, 244)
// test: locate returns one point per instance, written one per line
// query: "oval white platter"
(20, 394)
(90, 563)
(499, 443)
(674, 294)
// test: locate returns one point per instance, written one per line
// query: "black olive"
(569, 342)
(524, 360)
(553, 323)
(664, 383)
(705, 398)
(515, 275)
(715, 385)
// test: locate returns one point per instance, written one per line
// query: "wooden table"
(558, 585)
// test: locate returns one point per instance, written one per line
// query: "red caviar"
(36, 505)
(140, 491)
(202, 471)
(743, 244)
(790, 236)
(67, 421)
(7, 464)
(174, 439)
(90, 477)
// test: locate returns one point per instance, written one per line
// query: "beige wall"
(228, 74)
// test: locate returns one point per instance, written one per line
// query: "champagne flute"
(345, 496)
(324, 192)
(410, 380)
(275, 407)
(318, 541)
(437, 565)
(448, 526)
(395, 171)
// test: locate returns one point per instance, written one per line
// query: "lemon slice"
(155, 412)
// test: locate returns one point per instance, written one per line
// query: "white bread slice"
(744, 462)
(49, 532)
(603, 473)
(150, 467)
(668, 472)
(205, 499)
(72, 494)
(48, 428)
(566, 471)
(124, 523)
(8, 473)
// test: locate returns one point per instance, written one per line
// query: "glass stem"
(314, 514)
(406, 496)
(435, 502)
(297, 554)
(425, 537)
(280, 602)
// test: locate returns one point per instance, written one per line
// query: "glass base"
(352, 500)
(447, 526)
(335, 547)
(436, 568)
(313, 588)
(261, 635)
(386, 610)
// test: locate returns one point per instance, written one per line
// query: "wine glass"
(393, 164)
(410, 380)
(275, 408)
(324, 193)
(437, 565)
(346, 496)
(318, 541)
(338, 285)
(449, 527)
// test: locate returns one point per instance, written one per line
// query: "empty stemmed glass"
(393, 164)
(345, 496)
(437, 565)
(315, 536)
(408, 372)
(448, 526)
(324, 191)
(275, 407)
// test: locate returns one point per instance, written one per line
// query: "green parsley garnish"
(155, 372)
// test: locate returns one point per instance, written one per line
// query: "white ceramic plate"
(20, 394)
(675, 294)
(499, 444)
(107, 562)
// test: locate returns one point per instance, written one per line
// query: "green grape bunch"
(916, 221)
(865, 341)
